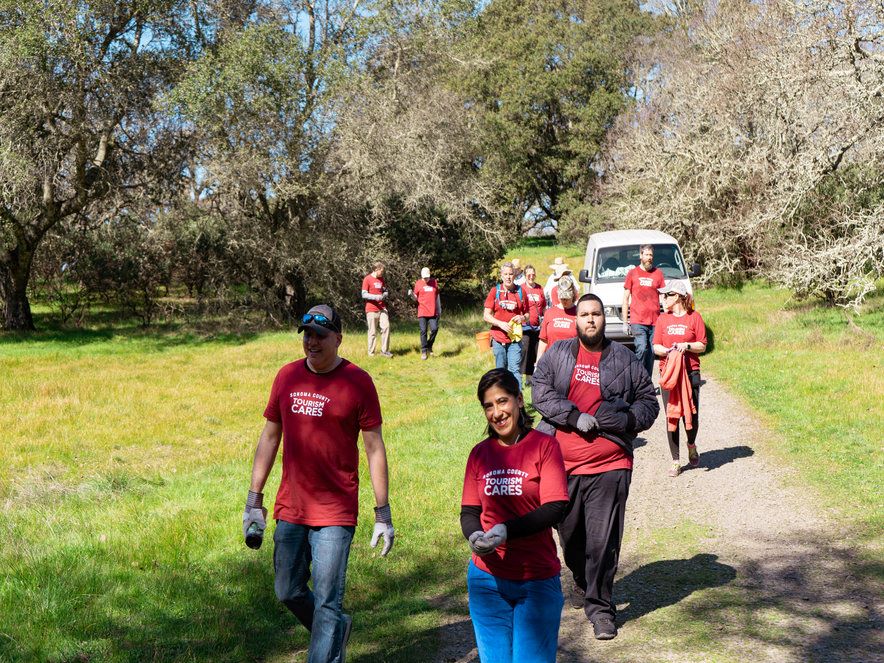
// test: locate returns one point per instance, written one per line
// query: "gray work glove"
(496, 536)
(478, 544)
(254, 519)
(383, 527)
(586, 422)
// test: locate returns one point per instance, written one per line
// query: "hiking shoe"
(604, 628)
(693, 456)
(675, 470)
(577, 597)
(424, 355)
(348, 626)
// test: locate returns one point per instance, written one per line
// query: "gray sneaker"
(604, 628)
(348, 626)
(577, 597)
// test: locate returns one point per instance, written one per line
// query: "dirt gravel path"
(763, 573)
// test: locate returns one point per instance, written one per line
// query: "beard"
(590, 339)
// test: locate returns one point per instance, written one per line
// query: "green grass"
(122, 476)
(126, 456)
(815, 376)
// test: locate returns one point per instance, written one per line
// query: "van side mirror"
(584, 276)
(696, 270)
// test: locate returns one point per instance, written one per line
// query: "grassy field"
(126, 455)
(815, 376)
(122, 476)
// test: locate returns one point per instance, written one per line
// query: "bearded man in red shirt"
(317, 407)
(595, 397)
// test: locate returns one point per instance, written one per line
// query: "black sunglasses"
(319, 319)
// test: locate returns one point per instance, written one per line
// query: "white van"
(610, 255)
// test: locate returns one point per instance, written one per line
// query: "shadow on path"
(715, 458)
(664, 583)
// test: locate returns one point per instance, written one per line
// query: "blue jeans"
(294, 548)
(644, 348)
(508, 356)
(515, 620)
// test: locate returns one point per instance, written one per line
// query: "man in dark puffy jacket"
(594, 396)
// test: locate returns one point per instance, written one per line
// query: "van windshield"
(613, 262)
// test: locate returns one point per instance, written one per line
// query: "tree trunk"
(14, 274)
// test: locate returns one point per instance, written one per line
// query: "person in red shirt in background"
(514, 492)
(317, 406)
(595, 398)
(374, 292)
(531, 329)
(561, 320)
(681, 327)
(429, 308)
(641, 304)
(506, 306)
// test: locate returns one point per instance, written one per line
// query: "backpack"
(518, 290)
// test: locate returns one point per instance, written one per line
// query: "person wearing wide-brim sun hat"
(559, 269)
(680, 334)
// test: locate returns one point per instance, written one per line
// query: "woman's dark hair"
(501, 377)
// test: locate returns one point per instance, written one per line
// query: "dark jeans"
(643, 336)
(433, 324)
(672, 436)
(591, 533)
(295, 549)
(530, 341)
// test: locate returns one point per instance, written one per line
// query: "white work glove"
(586, 422)
(383, 527)
(495, 536)
(254, 520)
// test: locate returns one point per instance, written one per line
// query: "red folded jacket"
(674, 379)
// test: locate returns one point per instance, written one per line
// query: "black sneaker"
(604, 628)
(577, 597)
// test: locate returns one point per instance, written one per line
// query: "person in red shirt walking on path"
(641, 303)
(374, 292)
(506, 309)
(531, 329)
(595, 397)
(514, 492)
(317, 407)
(429, 308)
(681, 328)
(560, 322)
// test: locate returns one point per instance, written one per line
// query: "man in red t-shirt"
(317, 407)
(594, 397)
(641, 302)
(429, 308)
(505, 307)
(531, 329)
(374, 292)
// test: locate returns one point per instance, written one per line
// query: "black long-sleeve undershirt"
(546, 515)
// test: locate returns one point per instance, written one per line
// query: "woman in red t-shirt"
(560, 321)
(515, 490)
(680, 327)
